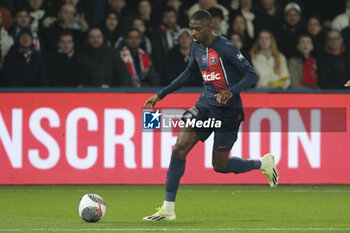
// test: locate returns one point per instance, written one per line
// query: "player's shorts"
(226, 135)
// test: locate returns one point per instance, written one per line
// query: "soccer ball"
(91, 208)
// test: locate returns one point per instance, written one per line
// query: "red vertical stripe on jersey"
(214, 66)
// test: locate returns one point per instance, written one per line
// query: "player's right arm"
(151, 102)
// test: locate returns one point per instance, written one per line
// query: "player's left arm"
(249, 76)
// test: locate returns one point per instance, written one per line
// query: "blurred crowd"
(292, 44)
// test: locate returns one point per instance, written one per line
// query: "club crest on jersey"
(240, 56)
(213, 60)
(204, 59)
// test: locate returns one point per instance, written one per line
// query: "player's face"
(200, 31)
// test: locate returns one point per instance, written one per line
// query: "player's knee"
(179, 150)
(219, 167)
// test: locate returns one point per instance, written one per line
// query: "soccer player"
(221, 66)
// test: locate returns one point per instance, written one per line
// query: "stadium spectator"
(146, 43)
(270, 64)
(137, 61)
(64, 67)
(37, 13)
(53, 31)
(268, 16)
(6, 42)
(206, 5)
(103, 65)
(178, 59)
(233, 6)
(23, 66)
(218, 17)
(244, 8)
(303, 69)
(83, 15)
(239, 26)
(21, 20)
(111, 29)
(182, 17)
(293, 28)
(7, 20)
(333, 65)
(342, 21)
(116, 5)
(144, 11)
(165, 39)
(314, 29)
(78, 21)
(236, 39)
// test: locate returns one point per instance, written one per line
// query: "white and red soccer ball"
(91, 208)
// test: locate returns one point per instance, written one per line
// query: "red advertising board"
(97, 138)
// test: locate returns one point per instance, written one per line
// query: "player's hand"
(223, 97)
(347, 84)
(152, 101)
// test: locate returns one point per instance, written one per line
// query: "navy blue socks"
(238, 165)
(173, 176)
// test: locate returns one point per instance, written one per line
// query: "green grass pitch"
(216, 208)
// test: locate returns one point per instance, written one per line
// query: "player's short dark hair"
(216, 12)
(202, 15)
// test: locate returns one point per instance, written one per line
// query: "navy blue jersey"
(222, 67)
